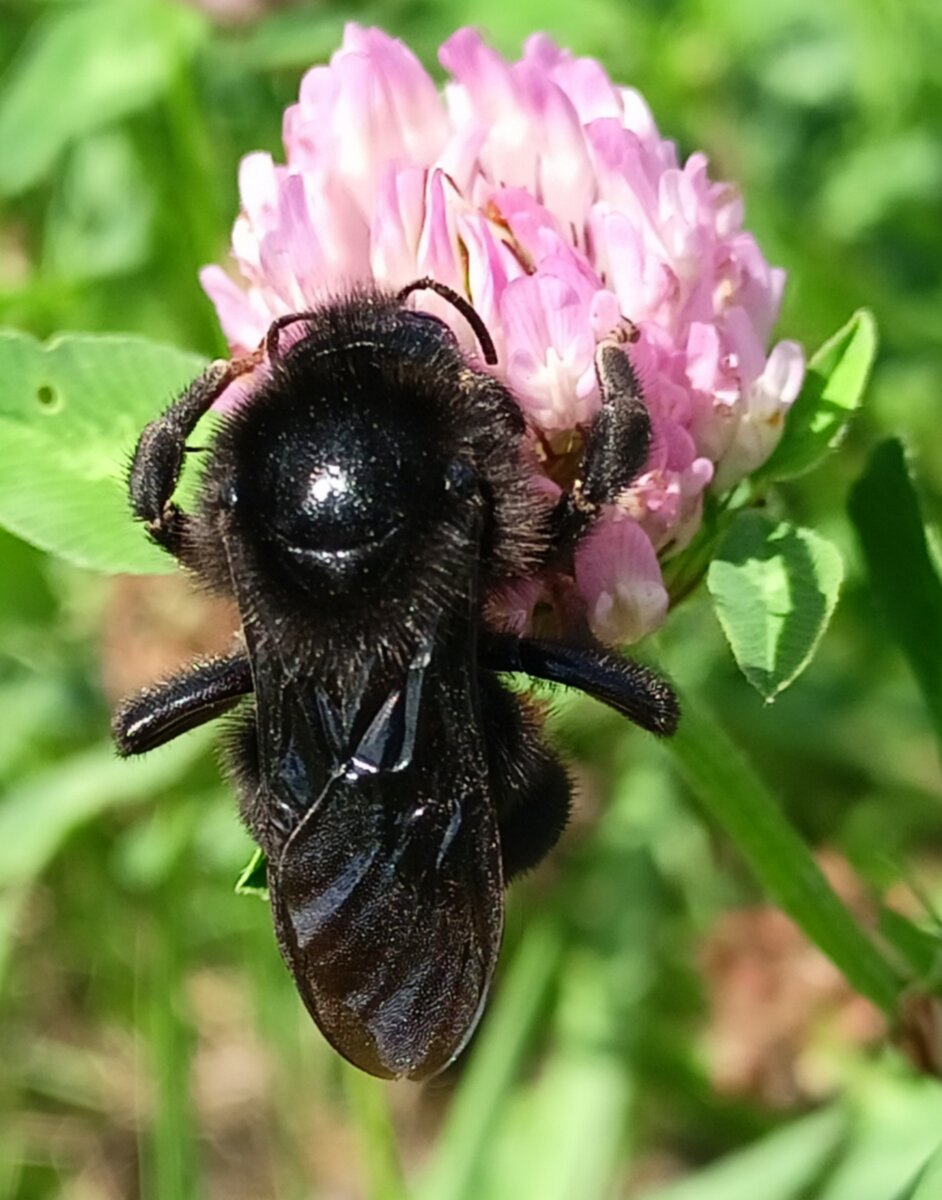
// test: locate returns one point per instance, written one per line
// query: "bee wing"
(388, 902)
(385, 872)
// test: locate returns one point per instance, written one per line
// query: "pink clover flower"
(545, 194)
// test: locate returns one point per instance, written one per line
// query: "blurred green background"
(658, 1029)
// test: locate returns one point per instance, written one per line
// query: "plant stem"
(737, 799)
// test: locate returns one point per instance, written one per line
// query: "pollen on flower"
(544, 193)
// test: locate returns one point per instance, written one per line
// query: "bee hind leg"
(529, 785)
(264, 813)
(533, 822)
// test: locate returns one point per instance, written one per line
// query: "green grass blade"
(928, 1183)
(41, 811)
(737, 799)
(569, 1130)
(896, 1123)
(368, 1101)
(834, 387)
(919, 948)
(779, 1167)
(885, 510)
(169, 1161)
(493, 1065)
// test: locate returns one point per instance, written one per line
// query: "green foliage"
(595, 941)
(82, 69)
(833, 390)
(903, 577)
(736, 798)
(928, 1182)
(775, 588)
(784, 1166)
(152, 1040)
(856, 1151)
(45, 808)
(253, 878)
(70, 414)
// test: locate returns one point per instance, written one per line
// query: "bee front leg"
(198, 694)
(616, 447)
(158, 456)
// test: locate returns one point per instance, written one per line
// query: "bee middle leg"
(529, 784)
(616, 448)
(629, 687)
(196, 695)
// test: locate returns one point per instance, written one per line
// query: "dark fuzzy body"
(360, 507)
(388, 394)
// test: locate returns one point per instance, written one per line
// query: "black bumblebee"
(361, 507)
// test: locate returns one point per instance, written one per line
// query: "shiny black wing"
(388, 897)
(388, 905)
(384, 868)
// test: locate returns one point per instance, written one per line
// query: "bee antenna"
(426, 283)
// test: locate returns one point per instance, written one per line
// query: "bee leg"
(268, 819)
(158, 456)
(240, 753)
(616, 448)
(532, 825)
(529, 785)
(630, 688)
(196, 695)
